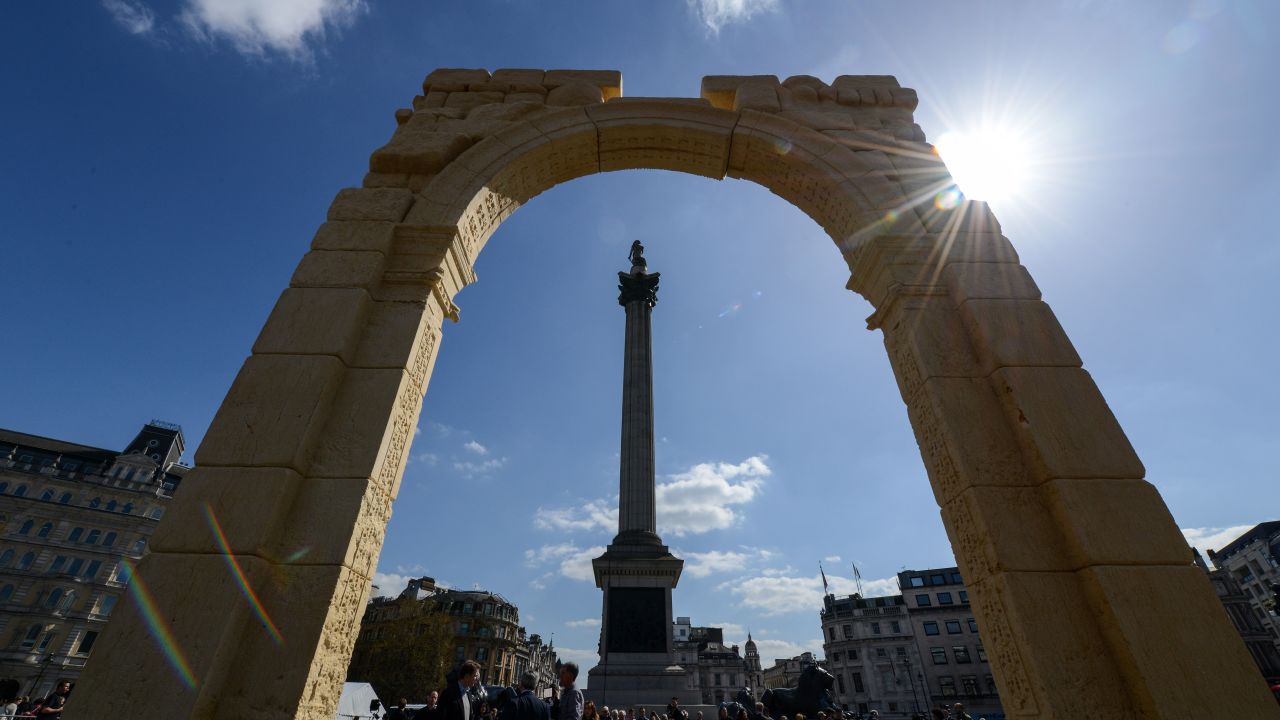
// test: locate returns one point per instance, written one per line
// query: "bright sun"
(988, 164)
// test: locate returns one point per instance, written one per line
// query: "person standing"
(958, 713)
(428, 711)
(524, 706)
(54, 704)
(455, 701)
(570, 696)
(397, 712)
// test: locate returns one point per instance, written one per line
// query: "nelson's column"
(637, 572)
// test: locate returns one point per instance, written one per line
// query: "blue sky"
(164, 166)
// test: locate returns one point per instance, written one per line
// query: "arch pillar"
(250, 601)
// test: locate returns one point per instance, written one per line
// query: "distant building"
(73, 518)
(486, 628)
(785, 672)
(1257, 637)
(870, 651)
(534, 656)
(714, 671)
(952, 656)
(1253, 559)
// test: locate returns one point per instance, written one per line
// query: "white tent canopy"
(354, 702)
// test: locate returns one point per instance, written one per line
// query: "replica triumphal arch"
(1083, 587)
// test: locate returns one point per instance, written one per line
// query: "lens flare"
(782, 147)
(948, 199)
(989, 164)
(238, 574)
(168, 645)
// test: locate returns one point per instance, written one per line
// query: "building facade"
(1257, 637)
(74, 519)
(1253, 559)
(714, 672)
(785, 672)
(870, 651)
(485, 628)
(953, 663)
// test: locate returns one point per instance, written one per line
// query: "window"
(47, 495)
(917, 581)
(4, 486)
(467, 609)
(57, 563)
(464, 628)
(973, 625)
(75, 534)
(895, 626)
(111, 506)
(93, 536)
(127, 509)
(45, 529)
(961, 652)
(953, 627)
(6, 592)
(66, 499)
(939, 655)
(53, 598)
(846, 629)
(970, 684)
(931, 628)
(982, 653)
(923, 600)
(875, 628)
(857, 683)
(853, 654)
(95, 502)
(902, 651)
(74, 568)
(964, 596)
(29, 640)
(26, 527)
(141, 544)
(26, 561)
(488, 607)
(6, 558)
(835, 657)
(86, 642)
(948, 685)
(157, 513)
(91, 572)
(482, 654)
(68, 600)
(955, 578)
(44, 642)
(991, 684)
(937, 580)
(21, 491)
(944, 598)
(106, 604)
(716, 681)
(109, 540)
(840, 682)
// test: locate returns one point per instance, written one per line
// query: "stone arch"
(1081, 582)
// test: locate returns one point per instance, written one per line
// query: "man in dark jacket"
(525, 706)
(455, 700)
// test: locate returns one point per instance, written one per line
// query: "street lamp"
(915, 699)
(44, 665)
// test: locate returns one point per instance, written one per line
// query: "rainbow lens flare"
(948, 199)
(238, 574)
(147, 604)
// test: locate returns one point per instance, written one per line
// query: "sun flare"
(988, 164)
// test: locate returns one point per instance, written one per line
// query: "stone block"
(454, 77)
(538, 89)
(371, 203)
(757, 97)
(819, 120)
(491, 86)
(861, 81)
(339, 269)
(1115, 522)
(1176, 650)
(521, 97)
(418, 150)
(369, 236)
(1017, 333)
(863, 140)
(927, 334)
(430, 100)
(797, 98)
(1003, 529)
(721, 90)
(315, 321)
(469, 100)
(274, 412)
(1056, 670)
(355, 440)
(403, 115)
(381, 180)
(251, 505)
(1064, 425)
(577, 93)
(904, 98)
(518, 76)
(660, 134)
(910, 131)
(988, 281)
(394, 331)
(609, 81)
(963, 438)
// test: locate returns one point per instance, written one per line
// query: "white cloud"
(1213, 538)
(584, 622)
(776, 594)
(475, 447)
(720, 561)
(831, 559)
(699, 500)
(584, 658)
(472, 469)
(256, 27)
(390, 584)
(574, 562)
(771, 650)
(715, 14)
(131, 15)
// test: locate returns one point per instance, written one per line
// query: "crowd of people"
(45, 708)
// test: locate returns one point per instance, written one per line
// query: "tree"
(404, 656)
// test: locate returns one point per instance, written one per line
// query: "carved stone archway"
(1081, 582)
